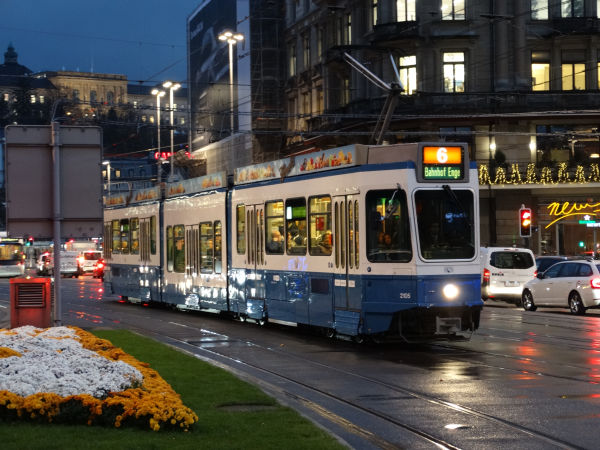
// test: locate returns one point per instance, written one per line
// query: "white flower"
(54, 361)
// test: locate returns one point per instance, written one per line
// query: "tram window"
(144, 240)
(320, 236)
(135, 236)
(260, 233)
(124, 229)
(153, 235)
(356, 254)
(388, 227)
(116, 236)
(445, 222)
(206, 247)
(218, 247)
(170, 248)
(240, 212)
(295, 226)
(107, 240)
(350, 234)
(179, 248)
(274, 227)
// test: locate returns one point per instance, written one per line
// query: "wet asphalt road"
(525, 380)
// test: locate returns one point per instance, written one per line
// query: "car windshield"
(91, 256)
(445, 219)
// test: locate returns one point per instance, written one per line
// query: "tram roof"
(325, 160)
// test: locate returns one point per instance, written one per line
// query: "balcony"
(394, 31)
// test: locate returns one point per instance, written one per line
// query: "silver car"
(572, 284)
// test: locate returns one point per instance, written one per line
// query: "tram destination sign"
(440, 162)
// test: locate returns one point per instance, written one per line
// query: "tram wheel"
(330, 333)
(261, 322)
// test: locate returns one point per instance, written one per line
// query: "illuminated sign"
(439, 162)
(564, 210)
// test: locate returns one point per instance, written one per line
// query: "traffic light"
(525, 222)
(29, 241)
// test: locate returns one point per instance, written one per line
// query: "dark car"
(544, 262)
(98, 271)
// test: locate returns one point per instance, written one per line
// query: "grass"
(217, 397)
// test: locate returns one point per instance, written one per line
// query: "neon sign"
(563, 210)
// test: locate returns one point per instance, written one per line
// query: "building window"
(151, 119)
(539, 9)
(306, 51)
(573, 76)
(110, 97)
(454, 72)
(406, 10)
(374, 7)
(321, 42)
(306, 104)
(135, 104)
(93, 97)
(540, 71)
(292, 59)
(76, 95)
(345, 91)
(453, 9)
(571, 8)
(321, 100)
(6, 97)
(182, 121)
(408, 74)
(42, 99)
(32, 98)
(347, 29)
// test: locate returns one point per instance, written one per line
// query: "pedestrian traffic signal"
(29, 242)
(525, 222)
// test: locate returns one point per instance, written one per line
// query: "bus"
(12, 257)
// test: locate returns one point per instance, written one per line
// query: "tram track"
(293, 385)
(329, 405)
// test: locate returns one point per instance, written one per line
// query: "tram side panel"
(195, 248)
(279, 271)
(131, 251)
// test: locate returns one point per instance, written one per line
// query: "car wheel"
(575, 304)
(528, 304)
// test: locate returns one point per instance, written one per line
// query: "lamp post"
(171, 87)
(158, 93)
(231, 38)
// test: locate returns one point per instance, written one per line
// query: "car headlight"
(450, 291)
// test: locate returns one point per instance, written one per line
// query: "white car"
(571, 284)
(87, 260)
(504, 272)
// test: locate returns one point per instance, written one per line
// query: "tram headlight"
(450, 291)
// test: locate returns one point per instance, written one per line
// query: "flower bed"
(67, 375)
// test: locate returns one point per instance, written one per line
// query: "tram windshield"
(446, 225)
(388, 231)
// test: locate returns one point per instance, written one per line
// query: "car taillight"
(535, 274)
(81, 259)
(595, 282)
(486, 275)
(99, 265)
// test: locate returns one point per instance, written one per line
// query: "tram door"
(347, 286)
(255, 260)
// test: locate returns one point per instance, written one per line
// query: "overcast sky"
(142, 39)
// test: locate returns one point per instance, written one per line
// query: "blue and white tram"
(131, 244)
(358, 241)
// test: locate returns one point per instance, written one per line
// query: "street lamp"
(171, 87)
(158, 93)
(231, 38)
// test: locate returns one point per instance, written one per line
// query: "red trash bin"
(30, 302)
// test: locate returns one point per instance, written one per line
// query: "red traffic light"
(525, 219)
